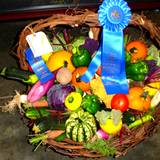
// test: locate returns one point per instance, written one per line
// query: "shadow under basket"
(90, 19)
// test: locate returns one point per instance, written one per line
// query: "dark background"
(26, 9)
(15, 5)
(13, 132)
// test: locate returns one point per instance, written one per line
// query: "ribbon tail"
(92, 68)
(39, 67)
(113, 63)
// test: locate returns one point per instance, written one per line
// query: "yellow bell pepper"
(152, 88)
(73, 100)
(99, 90)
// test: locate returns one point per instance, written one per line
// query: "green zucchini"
(17, 74)
(48, 123)
(37, 113)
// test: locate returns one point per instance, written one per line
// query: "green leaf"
(102, 116)
(127, 39)
(116, 115)
(154, 54)
(102, 146)
(78, 41)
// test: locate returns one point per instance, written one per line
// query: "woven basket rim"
(79, 17)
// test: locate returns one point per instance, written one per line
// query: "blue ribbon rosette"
(114, 16)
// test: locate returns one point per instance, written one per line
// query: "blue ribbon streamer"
(92, 68)
(39, 67)
(114, 16)
(113, 63)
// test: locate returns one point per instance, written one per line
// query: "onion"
(64, 75)
(101, 134)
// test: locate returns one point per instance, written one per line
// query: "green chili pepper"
(91, 103)
(140, 121)
(137, 71)
(81, 57)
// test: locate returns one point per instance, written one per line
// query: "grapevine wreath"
(72, 105)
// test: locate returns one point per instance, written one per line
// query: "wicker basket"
(90, 18)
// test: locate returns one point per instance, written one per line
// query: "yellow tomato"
(60, 59)
(110, 128)
(138, 99)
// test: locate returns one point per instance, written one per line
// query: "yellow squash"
(60, 59)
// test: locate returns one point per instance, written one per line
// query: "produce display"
(68, 109)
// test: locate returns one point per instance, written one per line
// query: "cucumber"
(37, 113)
(48, 123)
(17, 74)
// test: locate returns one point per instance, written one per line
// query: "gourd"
(80, 126)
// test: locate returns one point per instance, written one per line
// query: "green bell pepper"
(90, 103)
(128, 58)
(81, 57)
(137, 71)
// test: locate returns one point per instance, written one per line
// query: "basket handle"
(87, 17)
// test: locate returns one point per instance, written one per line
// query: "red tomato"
(120, 102)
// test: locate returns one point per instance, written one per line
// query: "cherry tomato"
(120, 102)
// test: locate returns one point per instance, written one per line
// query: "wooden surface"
(44, 11)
